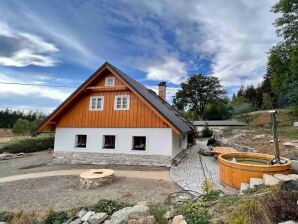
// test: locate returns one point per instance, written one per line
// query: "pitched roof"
(219, 123)
(161, 106)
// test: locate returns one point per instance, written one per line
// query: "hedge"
(30, 144)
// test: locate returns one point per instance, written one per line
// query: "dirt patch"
(63, 193)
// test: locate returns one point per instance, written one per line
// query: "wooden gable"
(75, 113)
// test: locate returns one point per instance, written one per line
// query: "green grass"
(287, 132)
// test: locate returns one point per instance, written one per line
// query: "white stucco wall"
(158, 140)
(175, 144)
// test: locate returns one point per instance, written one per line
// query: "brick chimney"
(162, 90)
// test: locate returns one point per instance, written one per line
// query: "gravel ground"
(62, 193)
(42, 161)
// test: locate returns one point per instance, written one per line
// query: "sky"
(61, 43)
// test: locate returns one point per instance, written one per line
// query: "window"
(110, 81)
(96, 103)
(139, 143)
(81, 141)
(109, 141)
(121, 103)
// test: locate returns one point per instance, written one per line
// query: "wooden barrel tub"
(233, 173)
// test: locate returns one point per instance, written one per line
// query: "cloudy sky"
(61, 43)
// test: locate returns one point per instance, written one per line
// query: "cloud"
(171, 70)
(22, 49)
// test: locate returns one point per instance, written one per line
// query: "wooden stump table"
(95, 178)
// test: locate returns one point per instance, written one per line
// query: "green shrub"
(207, 132)
(30, 144)
(6, 216)
(21, 127)
(108, 206)
(56, 217)
(194, 212)
(158, 212)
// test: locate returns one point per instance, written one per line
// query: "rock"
(256, 137)
(81, 213)
(294, 141)
(77, 221)
(144, 220)
(121, 216)
(87, 216)
(270, 180)
(139, 211)
(108, 222)
(179, 219)
(169, 214)
(293, 176)
(282, 177)
(295, 165)
(98, 218)
(206, 151)
(290, 185)
(289, 145)
(288, 222)
(244, 187)
(255, 182)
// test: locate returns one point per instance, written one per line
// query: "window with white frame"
(139, 143)
(81, 141)
(96, 103)
(121, 103)
(110, 81)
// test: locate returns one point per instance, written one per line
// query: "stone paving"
(189, 173)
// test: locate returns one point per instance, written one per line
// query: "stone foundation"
(105, 158)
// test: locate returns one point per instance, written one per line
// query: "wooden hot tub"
(237, 168)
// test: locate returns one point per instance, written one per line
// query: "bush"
(207, 132)
(21, 127)
(108, 206)
(6, 216)
(158, 212)
(30, 144)
(56, 217)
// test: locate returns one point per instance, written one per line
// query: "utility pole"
(275, 137)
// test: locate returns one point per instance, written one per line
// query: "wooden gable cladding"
(139, 114)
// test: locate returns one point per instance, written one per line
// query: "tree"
(287, 24)
(197, 92)
(220, 110)
(21, 127)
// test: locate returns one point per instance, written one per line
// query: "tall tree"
(197, 92)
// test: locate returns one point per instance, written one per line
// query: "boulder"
(206, 151)
(139, 211)
(179, 219)
(108, 222)
(270, 180)
(121, 216)
(255, 182)
(293, 176)
(77, 221)
(295, 165)
(81, 213)
(290, 185)
(257, 137)
(244, 187)
(169, 214)
(288, 222)
(289, 145)
(87, 216)
(145, 220)
(98, 218)
(282, 177)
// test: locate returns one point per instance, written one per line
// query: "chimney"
(162, 90)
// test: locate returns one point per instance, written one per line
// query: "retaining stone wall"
(105, 158)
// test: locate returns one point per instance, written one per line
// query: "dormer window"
(110, 81)
(96, 103)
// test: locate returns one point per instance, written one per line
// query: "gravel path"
(189, 173)
(155, 175)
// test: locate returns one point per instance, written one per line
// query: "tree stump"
(95, 178)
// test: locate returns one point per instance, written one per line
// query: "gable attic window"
(121, 103)
(109, 141)
(139, 143)
(110, 81)
(96, 103)
(81, 141)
